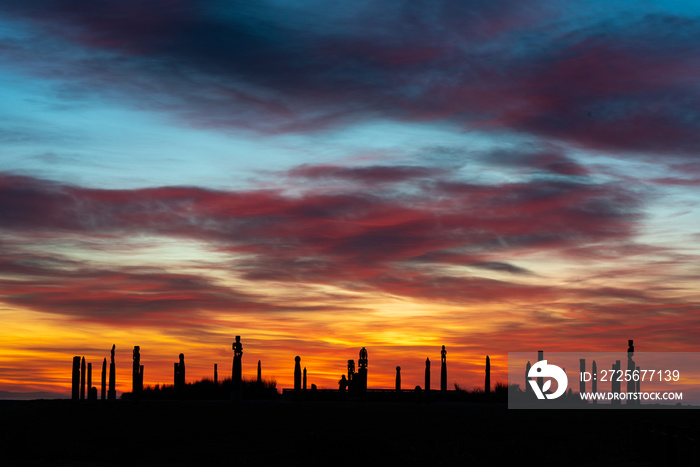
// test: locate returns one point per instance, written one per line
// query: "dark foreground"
(284, 433)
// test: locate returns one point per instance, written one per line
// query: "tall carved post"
(181, 383)
(137, 374)
(103, 392)
(540, 357)
(594, 382)
(82, 379)
(362, 373)
(487, 378)
(631, 367)
(443, 370)
(112, 393)
(216, 374)
(582, 370)
(297, 374)
(75, 394)
(259, 374)
(236, 372)
(398, 379)
(527, 373)
(427, 375)
(179, 373)
(89, 379)
(304, 380)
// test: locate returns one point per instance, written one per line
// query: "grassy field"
(285, 433)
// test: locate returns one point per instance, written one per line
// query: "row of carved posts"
(616, 385)
(356, 381)
(80, 374)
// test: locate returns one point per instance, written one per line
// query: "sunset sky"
(318, 177)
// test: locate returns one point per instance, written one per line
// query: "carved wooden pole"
(540, 357)
(362, 364)
(89, 380)
(237, 372)
(112, 393)
(487, 379)
(137, 374)
(103, 392)
(594, 383)
(297, 374)
(82, 379)
(75, 395)
(427, 375)
(443, 370)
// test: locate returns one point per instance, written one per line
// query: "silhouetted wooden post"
(103, 392)
(137, 374)
(527, 379)
(398, 379)
(180, 373)
(631, 366)
(75, 393)
(427, 374)
(259, 374)
(582, 370)
(89, 379)
(443, 370)
(237, 372)
(112, 393)
(216, 374)
(362, 363)
(304, 380)
(540, 357)
(487, 379)
(82, 379)
(297, 374)
(594, 379)
(351, 374)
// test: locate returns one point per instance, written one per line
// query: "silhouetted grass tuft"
(205, 389)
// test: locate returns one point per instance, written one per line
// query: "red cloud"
(383, 241)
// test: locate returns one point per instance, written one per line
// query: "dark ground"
(285, 433)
